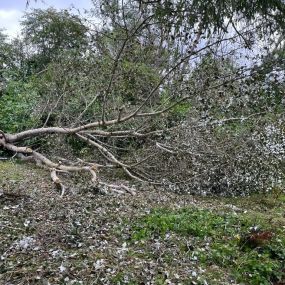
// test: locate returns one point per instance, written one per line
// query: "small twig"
(165, 148)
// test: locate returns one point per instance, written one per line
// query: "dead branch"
(57, 181)
(119, 189)
(108, 154)
(54, 167)
(165, 148)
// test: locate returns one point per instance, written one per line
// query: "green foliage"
(178, 112)
(79, 147)
(53, 32)
(5, 51)
(123, 278)
(222, 233)
(190, 221)
(17, 107)
(258, 269)
(234, 128)
(137, 80)
(212, 14)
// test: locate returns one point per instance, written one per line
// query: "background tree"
(49, 33)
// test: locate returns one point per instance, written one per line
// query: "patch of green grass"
(221, 240)
(15, 170)
(121, 278)
(10, 170)
(257, 268)
(188, 221)
(265, 201)
(159, 279)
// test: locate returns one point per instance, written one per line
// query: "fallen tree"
(136, 29)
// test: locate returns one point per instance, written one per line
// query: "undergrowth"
(223, 239)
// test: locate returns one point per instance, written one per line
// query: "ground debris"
(88, 238)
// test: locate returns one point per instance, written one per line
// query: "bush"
(17, 107)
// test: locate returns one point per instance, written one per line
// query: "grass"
(222, 239)
(6, 174)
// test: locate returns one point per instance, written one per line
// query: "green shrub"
(17, 107)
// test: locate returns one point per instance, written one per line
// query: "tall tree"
(50, 32)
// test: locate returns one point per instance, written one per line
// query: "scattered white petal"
(100, 263)
(62, 268)
(26, 242)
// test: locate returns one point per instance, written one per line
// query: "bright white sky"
(11, 11)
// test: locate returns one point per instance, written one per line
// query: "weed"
(259, 264)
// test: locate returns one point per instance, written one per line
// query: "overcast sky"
(11, 11)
